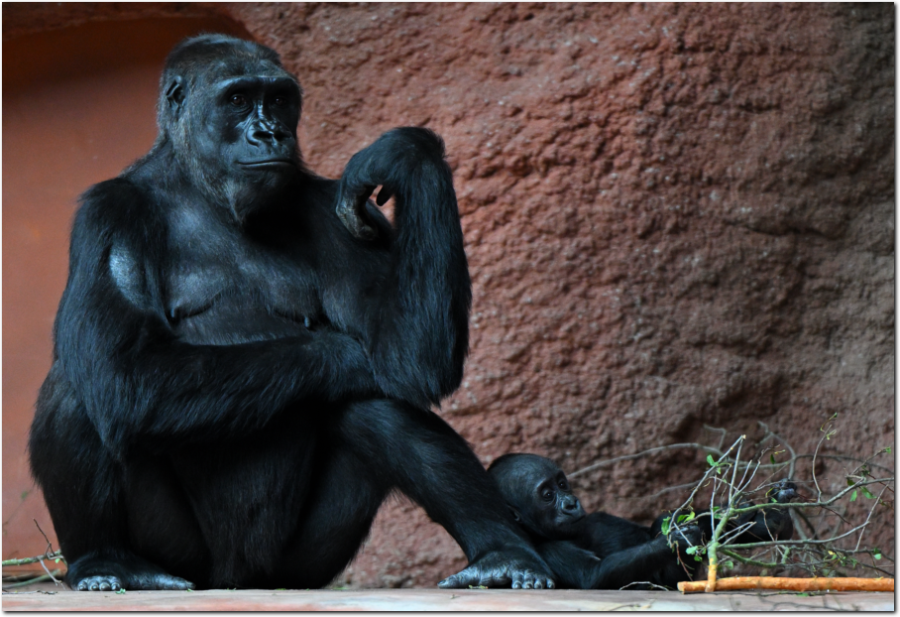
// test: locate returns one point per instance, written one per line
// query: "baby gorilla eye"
(547, 495)
(238, 100)
(279, 101)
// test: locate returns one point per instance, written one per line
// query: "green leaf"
(728, 564)
(691, 550)
(803, 594)
(120, 592)
(709, 459)
(876, 554)
(853, 496)
(850, 482)
(888, 450)
(686, 518)
(56, 560)
(772, 458)
(868, 494)
(665, 525)
(281, 589)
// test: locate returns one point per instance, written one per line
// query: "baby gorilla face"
(538, 494)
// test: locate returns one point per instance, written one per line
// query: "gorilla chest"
(239, 294)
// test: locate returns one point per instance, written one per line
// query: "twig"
(29, 560)
(38, 579)
(628, 457)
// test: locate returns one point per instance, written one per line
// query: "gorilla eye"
(279, 101)
(547, 495)
(563, 485)
(238, 100)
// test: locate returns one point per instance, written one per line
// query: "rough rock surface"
(675, 216)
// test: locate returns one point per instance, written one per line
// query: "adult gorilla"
(245, 353)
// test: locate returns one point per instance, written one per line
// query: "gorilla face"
(539, 495)
(235, 129)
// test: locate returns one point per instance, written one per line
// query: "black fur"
(602, 551)
(246, 353)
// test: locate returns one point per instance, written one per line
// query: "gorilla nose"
(571, 505)
(265, 134)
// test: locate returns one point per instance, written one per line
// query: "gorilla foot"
(685, 536)
(510, 567)
(99, 574)
(783, 491)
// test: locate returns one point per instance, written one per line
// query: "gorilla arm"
(137, 380)
(577, 568)
(417, 330)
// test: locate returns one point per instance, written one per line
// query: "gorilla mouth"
(569, 519)
(267, 164)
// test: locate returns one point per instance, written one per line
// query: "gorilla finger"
(105, 586)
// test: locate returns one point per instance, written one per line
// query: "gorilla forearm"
(418, 338)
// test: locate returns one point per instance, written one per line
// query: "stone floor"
(46, 597)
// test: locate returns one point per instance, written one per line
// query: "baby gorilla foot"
(685, 536)
(102, 574)
(782, 491)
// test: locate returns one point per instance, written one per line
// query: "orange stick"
(791, 584)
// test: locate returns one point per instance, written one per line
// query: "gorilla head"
(538, 494)
(229, 110)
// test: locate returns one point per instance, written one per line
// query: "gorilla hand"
(513, 567)
(392, 158)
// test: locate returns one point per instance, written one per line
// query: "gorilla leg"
(82, 485)
(342, 503)
(384, 444)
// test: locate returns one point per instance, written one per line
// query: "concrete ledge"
(48, 598)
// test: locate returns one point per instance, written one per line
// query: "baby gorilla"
(602, 551)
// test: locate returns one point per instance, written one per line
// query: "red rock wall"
(675, 216)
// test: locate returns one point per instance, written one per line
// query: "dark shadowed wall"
(677, 217)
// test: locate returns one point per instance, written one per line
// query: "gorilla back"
(245, 353)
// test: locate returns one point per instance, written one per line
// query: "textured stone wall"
(675, 216)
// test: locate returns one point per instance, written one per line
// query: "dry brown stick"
(735, 583)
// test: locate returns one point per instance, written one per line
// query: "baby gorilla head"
(538, 494)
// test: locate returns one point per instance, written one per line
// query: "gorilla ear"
(175, 94)
(515, 514)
